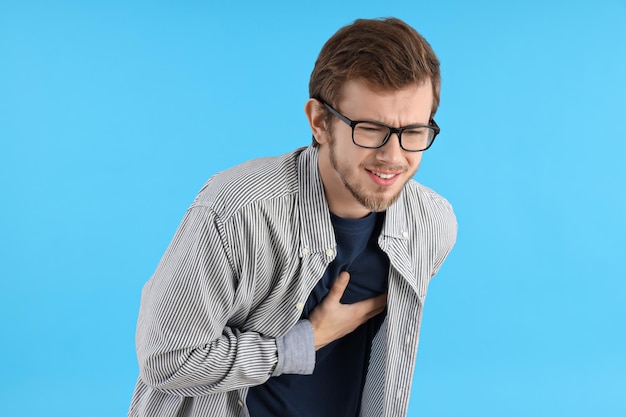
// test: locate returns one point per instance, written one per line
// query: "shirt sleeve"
(185, 343)
(296, 350)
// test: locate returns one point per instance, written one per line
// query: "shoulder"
(251, 182)
(429, 211)
(432, 218)
(430, 202)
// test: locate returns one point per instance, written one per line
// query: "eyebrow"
(341, 114)
(388, 125)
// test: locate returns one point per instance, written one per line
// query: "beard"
(376, 201)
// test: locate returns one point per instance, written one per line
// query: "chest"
(367, 265)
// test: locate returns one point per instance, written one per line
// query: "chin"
(379, 204)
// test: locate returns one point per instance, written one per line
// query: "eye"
(416, 133)
(370, 128)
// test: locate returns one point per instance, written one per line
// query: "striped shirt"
(238, 271)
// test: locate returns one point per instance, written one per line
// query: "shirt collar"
(395, 221)
(316, 228)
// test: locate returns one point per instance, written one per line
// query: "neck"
(340, 200)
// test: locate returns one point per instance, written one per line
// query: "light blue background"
(113, 114)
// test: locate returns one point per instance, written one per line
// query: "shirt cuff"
(296, 350)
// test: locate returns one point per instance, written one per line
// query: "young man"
(294, 285)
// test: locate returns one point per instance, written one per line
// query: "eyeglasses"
(373, 135)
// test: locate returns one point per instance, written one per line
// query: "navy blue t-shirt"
(335, 387)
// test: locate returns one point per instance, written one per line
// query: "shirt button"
(330, 252)
(401, 393)
(305, 251)
(405, 234)
(299, 306)
(240, 403)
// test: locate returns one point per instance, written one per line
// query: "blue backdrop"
(113, 114)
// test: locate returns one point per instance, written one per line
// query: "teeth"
(384, 176)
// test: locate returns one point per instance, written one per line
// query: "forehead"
(408, 105)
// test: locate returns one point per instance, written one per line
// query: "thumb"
(339, 286)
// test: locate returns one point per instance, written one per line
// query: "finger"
(339, 286)
(375, 311)
(381, 300)
(374, 304)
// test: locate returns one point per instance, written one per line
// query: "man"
(294, 285)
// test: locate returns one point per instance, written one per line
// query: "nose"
(391, 152)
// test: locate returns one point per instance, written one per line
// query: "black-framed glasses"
(373, 135)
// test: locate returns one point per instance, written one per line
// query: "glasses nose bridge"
(392, 130)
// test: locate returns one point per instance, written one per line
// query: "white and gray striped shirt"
(238, 271)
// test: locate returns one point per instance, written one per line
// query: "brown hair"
(386, 53)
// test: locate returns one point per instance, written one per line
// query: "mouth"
(383, 178)
(383, 175)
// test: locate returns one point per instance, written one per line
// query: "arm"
(185, 345)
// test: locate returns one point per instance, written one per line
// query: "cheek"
(415, 160)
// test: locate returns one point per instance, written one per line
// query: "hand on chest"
(358, 253)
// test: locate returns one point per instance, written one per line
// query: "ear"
(316, 114)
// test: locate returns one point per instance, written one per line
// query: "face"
(356, 180)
